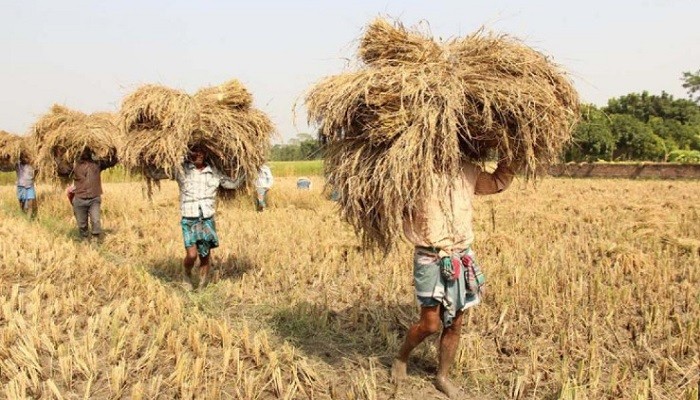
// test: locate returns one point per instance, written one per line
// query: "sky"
(88, 55)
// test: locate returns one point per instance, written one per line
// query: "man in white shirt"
(198, 184)
(262, 185)
(26, 193)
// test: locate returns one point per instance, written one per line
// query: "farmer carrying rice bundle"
(78, 146)
(212, 140)
(162, 124)
(62, 137)
(405, 137)
(16, 154)
(199, 182)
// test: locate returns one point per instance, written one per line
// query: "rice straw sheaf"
(155, 120)
(113, 118)
(231, 94)
(237, 140)
(405, 46)
(11, 148)
(62, 135)
(417, 108)
(161, 124)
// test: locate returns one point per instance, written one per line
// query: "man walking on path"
(198, 183)
(26, 192)
(87, 192)
(262, 185)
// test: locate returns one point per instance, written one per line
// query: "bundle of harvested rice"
(231, 94)
(11, 148)
(113, 118)
(161, 124)
(419, 107)
(62, 135)
(384, 43)
(154, 121)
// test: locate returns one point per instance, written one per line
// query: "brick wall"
(628, 171)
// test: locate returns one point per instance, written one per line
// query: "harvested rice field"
(593, 292)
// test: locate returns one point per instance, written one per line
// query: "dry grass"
(62, 134)
(589, 297)
(418, 107)
(161, 124)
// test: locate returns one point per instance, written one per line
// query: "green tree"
(592, 138)
(685, 156)
(635, 140)
(284, 152)
(643, 106)
(691, 82)
(676, 135)
(309, 147)
(303, 147)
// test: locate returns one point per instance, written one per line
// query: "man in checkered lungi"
(198, 184)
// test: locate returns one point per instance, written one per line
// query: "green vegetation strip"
(279, 168)
(297, 168)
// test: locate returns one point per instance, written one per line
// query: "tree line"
(303, 147)
(634, 127)
(641, 127)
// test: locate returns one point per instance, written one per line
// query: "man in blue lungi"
(26, 193)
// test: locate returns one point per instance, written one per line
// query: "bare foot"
(187, 282)
(446, 386)
(398, 371)
(203, 281)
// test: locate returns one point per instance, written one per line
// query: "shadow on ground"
(355, 333)
(169, 270)
(233, 267)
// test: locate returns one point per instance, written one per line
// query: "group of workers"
(447, 277)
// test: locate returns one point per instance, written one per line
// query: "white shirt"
(25, 175)
(265, 179)
(198, 189)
